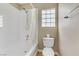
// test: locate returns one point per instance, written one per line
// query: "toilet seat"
(48, 52)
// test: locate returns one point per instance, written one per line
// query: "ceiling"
(32, 5)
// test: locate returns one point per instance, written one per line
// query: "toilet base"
(48, 52)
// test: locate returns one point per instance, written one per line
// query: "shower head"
(25, 10)
(66, 17)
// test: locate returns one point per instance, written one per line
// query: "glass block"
(43, 16)
(43, 11)
(47, 24)
(48, 11)
(43, 20)
(1, 21)
(48, 20)
(48, 16)
(52, 10)
(52, 15)
(43, 24)
(53, 20)
(52, 25)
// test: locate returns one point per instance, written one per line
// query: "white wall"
(12, 34)
(69, 30)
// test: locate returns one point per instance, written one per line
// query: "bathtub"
(33, 50)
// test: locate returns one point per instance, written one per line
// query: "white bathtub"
(33, 50)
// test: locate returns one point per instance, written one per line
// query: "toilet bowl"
(48, 52)
(48, 46)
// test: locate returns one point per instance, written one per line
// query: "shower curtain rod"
(71, 12)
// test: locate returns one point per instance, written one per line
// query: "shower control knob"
(27, 37)
(25, 51)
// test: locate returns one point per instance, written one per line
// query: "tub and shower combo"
(19, 31)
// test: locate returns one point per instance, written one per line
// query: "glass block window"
(1, 21)
(48, 18)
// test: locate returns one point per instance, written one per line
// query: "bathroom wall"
(42, 31)
(13, 33)
(69, 30)
(10, 33)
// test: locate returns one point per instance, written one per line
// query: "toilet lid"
(48, 52)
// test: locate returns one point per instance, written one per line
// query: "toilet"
(48, 43)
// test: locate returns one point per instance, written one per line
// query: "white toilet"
(48, 44)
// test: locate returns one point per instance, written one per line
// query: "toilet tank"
(48, 42)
